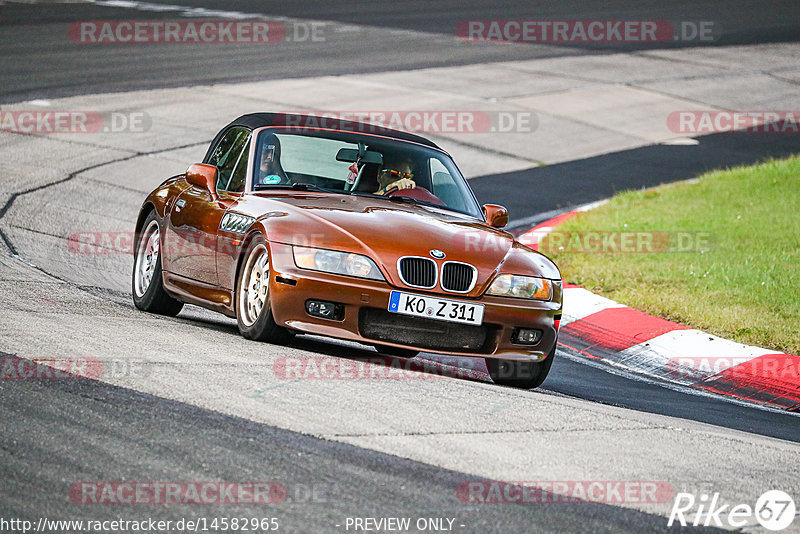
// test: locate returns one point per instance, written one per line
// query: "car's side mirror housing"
(496, 216)
(204, 176)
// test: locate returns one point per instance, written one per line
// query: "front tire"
(147, 285)
(253, 309)
(520, 374)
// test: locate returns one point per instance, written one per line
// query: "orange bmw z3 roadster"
(354, 232)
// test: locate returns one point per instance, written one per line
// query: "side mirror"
(203, 176)
(496, 216)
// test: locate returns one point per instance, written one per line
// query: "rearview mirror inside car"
(204, 176)
(496, 216)
(350, 155)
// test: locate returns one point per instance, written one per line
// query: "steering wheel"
(418, 193)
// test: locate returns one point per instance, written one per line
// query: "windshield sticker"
(270, 179)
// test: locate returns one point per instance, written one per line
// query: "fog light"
(526, 336)
(326, 310)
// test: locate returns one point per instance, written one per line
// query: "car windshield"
(359, 164)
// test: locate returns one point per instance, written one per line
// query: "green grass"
(745, 286)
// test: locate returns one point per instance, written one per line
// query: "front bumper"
(367, 300)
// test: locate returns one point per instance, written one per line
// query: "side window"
(444, 186)
(226, 154)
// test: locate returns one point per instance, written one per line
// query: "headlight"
(523, 287)
(332, 261)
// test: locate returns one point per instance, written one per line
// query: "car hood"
(387, 230)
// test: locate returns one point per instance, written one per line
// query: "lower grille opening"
(431, 334)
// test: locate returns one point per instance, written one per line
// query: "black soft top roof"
(260, 120)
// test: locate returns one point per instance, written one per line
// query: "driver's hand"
(402, 183)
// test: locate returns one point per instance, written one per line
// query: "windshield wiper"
(409, 200)
(392, 198)
(305, 186)
(402, 199)
(299, 186)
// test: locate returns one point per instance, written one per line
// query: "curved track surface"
(188, 399)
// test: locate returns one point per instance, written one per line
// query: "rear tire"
(520, 374)
(147, 284)
(253, 309)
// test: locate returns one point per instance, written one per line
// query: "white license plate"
(454, 311)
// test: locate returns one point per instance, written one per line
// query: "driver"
(398, 176)
(269, 171)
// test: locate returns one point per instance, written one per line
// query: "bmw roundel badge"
(438, 254)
